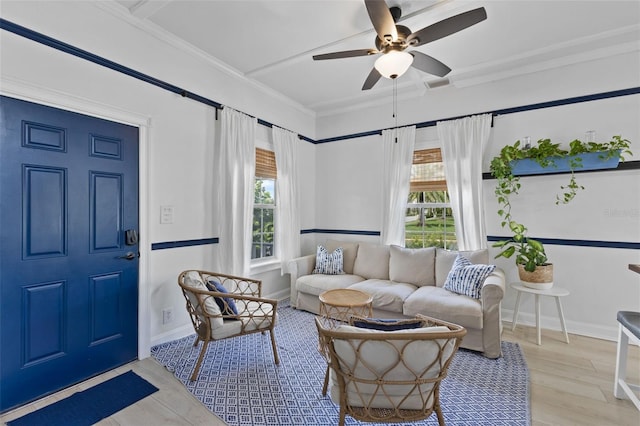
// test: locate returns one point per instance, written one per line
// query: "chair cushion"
(385, 324)
(226, 304)
(445, 259)
(387, 295)
(372, 261)
(262, 320)
(443, 304)
(193, 279)
(328, 263)
(380, 359)
(412, 266)
(631, 321)
(467, 278)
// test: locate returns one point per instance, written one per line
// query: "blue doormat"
(92, 405)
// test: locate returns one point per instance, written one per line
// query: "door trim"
(45, 96)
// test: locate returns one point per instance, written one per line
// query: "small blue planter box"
(590, 161)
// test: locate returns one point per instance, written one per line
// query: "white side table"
(554, 291)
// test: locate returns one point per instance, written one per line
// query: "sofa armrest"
(492, 293)
(299, 267)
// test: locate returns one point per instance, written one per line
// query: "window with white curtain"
(264, 208)
(429, 221)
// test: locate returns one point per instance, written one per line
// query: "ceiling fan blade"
(372, 79)
(428, 64)
(447, 27)
(345, 54)
(382, 19)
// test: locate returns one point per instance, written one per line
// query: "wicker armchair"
(212, 312)
(389, 376)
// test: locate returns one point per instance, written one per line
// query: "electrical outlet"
(167, 315)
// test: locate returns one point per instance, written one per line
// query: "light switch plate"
(166, 214)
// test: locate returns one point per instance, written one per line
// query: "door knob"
(129, 256)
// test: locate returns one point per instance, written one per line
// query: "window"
(428, 221)
(264, 205)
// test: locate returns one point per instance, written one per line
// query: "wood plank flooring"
(571, 384)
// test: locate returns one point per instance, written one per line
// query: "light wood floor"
(571, 384)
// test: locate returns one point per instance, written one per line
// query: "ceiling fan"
(392, 40)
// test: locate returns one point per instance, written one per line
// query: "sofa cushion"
(387, 295)
(316, 284)
(467, 278)
(442, 304)
(349, 251)
(412, 266)
(329, 263)
(372, 261)
(445, 259)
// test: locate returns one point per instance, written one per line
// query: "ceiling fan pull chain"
(395, 107)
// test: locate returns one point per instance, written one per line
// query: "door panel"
(68, 295)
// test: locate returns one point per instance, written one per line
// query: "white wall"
(176, 158)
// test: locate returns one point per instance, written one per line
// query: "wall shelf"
(625, 165)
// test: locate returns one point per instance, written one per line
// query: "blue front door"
(68, 272)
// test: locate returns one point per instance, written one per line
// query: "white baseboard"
(573, 327)
(175, 334)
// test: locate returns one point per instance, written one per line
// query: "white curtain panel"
(235, 170)
(396, 173)
(463, 142)
(287, 197)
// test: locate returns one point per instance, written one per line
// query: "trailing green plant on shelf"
(529, 252)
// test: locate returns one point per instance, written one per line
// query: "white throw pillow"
(412, 266)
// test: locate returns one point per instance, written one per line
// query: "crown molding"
(121, 12)
(616, 42)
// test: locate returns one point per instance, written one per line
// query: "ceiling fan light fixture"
(393, 64)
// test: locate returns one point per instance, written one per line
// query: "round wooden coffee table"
(340, 304)
(337, 306)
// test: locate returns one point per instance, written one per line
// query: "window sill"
(261, 266)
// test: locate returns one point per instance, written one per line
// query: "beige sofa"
(405, 282)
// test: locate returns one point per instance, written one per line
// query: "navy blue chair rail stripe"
(578, 243)
(339, 231)
(64, 47)
(550, 241)
(183, 243)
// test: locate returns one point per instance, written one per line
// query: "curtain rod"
(499, 112)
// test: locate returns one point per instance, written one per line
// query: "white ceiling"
(272, 42)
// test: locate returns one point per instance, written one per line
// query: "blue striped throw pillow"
(466, 277)
(328, 263)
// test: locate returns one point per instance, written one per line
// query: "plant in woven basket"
(529, 252)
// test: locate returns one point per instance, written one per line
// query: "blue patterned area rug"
(240, 383)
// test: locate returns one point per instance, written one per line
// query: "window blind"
(266, 164)
(427, 171)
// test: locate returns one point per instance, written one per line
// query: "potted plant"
(531, 259)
